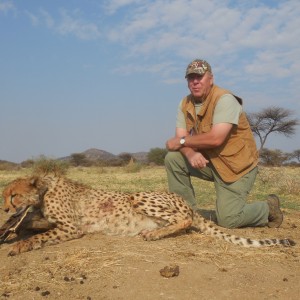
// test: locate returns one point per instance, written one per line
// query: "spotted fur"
(71, 210)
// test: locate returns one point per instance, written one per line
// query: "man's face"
(200, 85)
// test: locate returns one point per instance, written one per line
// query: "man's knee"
(171, 158)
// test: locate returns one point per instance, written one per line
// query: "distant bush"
(133, 167)
(80, 159)
(273, 157)
(8, 166)
(44, 165)
(125, 157)
(157, 156)
(27, 163)
(113, 162)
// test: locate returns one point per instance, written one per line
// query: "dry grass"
(59, 269)
(283, 181)
(70, 264)
(78, 263)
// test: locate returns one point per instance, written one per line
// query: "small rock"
(169, 271)
(46, 293)
(223, 270)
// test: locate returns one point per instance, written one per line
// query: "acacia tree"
(296, 154)
(273, 157)
(78, 159)
(272, 120)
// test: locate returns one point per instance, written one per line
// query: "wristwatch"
(182, 141)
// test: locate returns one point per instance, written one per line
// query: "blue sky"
(109, 74)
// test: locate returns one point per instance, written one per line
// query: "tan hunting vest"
(238, 154)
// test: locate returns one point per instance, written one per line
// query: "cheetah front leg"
(51, 237)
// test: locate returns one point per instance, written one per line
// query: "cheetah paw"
(22, 246)
(149, 236)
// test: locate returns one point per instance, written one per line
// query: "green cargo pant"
(232, 211)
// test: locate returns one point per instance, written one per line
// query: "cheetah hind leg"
(167, 230)
(169, 218)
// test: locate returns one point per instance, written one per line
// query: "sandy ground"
(104, 267)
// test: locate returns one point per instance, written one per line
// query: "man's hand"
(173, 144)
(196, 159)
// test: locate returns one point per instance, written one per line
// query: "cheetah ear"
(33, 181)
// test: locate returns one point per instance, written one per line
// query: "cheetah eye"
(12, 196)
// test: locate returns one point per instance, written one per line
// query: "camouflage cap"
(198, 66)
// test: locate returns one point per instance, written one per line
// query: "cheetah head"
(21, 193)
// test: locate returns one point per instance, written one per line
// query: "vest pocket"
(237, 157)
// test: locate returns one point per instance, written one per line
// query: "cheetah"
(71, 210)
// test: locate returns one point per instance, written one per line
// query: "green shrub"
(45, 165)
(157, 156)
(133, 167)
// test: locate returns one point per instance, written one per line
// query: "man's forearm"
(186, 151)
(201, 141)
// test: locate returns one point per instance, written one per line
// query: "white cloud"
(47, 18)
(253, 39)
(250, 38)
(165, 68)
(33, 18)
(72, 24)
(111, 6)
(69, 23)
(6, 6)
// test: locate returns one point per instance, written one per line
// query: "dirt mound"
(104, 267)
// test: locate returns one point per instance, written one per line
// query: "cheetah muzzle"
(67, 210)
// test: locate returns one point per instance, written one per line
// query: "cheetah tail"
(207, 228)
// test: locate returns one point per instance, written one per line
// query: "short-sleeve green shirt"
(227, 110)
